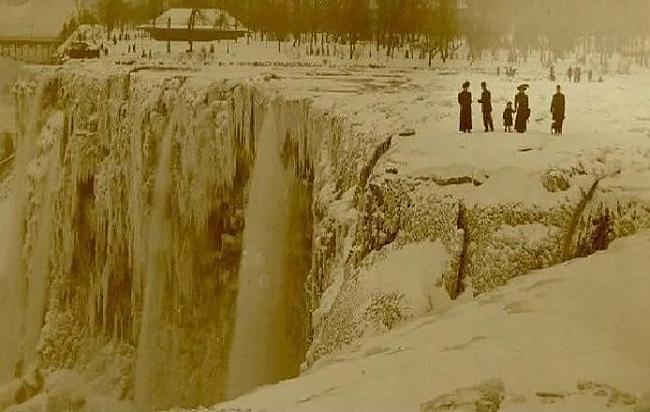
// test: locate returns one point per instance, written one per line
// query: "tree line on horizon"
(424, 28)
(560, 27)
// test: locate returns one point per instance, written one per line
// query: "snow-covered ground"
(320, 52)
(569, 338)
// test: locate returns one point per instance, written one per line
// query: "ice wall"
(26, 247)
(127, 221)
(131, 206)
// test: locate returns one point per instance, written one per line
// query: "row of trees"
(112, 14)
(436, 26)
(428, 27)
(431, 25)
(558, 26)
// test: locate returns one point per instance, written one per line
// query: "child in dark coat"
(508, 117)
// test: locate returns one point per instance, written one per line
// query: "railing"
(30, 49)
(29, 40)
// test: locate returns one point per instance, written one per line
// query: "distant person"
(577, 75)
(498, 71)
(551, 73)
(465, 103)
(590, 75)
(569, 74)
(508, 117)
(486, 108)
(522, 108)
(558, 110)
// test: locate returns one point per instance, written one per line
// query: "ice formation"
(263, 350)
(127, 229)
(151, 209)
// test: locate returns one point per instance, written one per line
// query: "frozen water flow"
(260, 351)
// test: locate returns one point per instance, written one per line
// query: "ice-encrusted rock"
(556, 181)
(484, 397)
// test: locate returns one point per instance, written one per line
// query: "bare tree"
(110, 13)
(195, 13)
(442, 34)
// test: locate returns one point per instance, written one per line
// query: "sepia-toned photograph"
(325, 205)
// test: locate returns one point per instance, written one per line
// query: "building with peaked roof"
(208, 25)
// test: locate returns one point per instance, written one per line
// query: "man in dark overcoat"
(558, 111)
(465, 103)
(486, 108)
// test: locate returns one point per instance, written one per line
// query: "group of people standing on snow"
(575, 74)
(516, 115)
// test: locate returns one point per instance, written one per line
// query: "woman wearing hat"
(522, 109)
(465, 102)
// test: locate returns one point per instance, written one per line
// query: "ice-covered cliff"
(131, 224)
(175, 238)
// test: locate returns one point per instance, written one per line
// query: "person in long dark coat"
(465, 102)
(486, 108)
(558, 110)
(523, 110)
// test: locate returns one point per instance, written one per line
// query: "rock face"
(130, 205)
